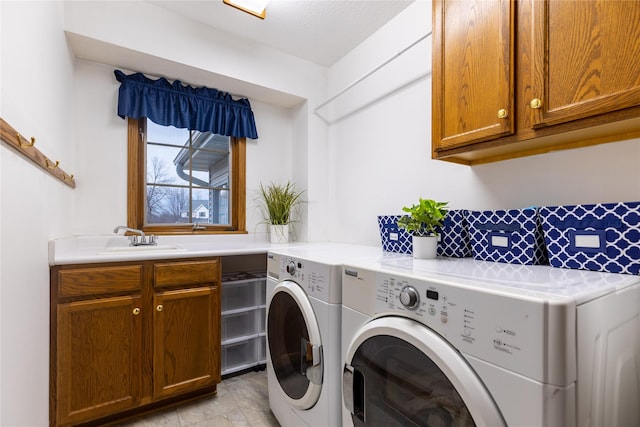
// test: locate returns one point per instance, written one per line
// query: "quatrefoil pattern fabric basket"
(454, 235)
(599, 237)
(511, 236)
(394, 239)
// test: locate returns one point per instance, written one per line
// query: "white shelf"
(243, 321)
(244, 354)
(237, 340)
(243, 309)
(247, 292)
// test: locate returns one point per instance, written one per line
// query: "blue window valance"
(186, 107)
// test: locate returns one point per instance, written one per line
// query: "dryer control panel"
(318, 280)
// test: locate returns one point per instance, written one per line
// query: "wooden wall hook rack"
(27, 148)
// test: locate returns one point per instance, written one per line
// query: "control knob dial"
(291, 268)
(409, 297)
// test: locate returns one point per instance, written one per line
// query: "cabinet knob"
(535, 103)
(502, 113)
(136, 311)
(159, 307)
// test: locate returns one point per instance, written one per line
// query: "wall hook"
(33, 141)
(52, 165)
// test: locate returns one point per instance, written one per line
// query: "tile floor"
(242, 401)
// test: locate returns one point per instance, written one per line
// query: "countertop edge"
(87, 249)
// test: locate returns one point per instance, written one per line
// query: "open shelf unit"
(243, 321)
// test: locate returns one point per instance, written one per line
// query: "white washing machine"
(303, 326)
(460, 342)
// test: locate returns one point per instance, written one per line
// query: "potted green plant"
(278, 203)
(422, 222)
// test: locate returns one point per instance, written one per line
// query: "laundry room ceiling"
(320, 31)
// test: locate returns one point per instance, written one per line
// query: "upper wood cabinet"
(473, 65)
(516, 78)
(585, 58)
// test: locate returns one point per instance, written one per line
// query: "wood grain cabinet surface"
(516, 78)
(187, 340)
(98, 359)
(126, 337)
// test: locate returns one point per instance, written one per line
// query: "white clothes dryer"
(460, 342)
(303, 325)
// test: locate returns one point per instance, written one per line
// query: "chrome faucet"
(151, 240)
(131, 230)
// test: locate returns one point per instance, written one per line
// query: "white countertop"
(578, 285)
(540, 282)
(112, 248)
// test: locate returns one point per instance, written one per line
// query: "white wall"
(598, 174)
(69, 106)
(37, 100)
(140, 36)
(373, 158)
(186, 49)
(381, 139)
(100, 198)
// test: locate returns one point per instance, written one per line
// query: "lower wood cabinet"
(125, 338)
(185, 324)
(98, 358)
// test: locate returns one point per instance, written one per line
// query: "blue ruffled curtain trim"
(173, 104)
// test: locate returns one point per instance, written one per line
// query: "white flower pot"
(279, 233)
(425, 247)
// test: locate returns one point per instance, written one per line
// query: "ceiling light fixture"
(254, 7)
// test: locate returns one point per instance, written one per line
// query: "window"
(183, 181)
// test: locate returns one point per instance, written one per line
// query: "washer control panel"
(508, 331)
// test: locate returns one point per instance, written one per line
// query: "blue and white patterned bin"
(454, 235)
(394, 239)
(512, 236)
(599, 237)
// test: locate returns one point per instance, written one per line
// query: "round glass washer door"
(294, 345)
(398, 372)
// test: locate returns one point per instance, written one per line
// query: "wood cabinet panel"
(473, 63)
(186, 273)
(575, 69)
(585, 58)
(137, 347)
(186, 340)
(99, 280)
(98, 358)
